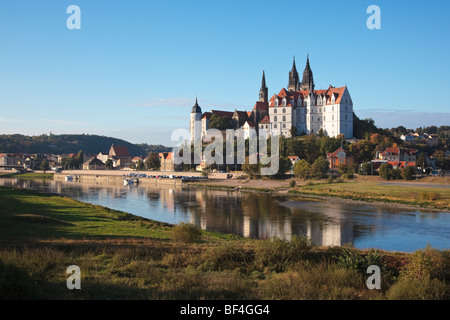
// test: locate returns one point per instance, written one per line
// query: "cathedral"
(300, 106)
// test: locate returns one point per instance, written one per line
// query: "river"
(327, 223)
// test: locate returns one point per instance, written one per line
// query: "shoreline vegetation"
(122, 256)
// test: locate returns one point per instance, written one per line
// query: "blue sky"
(134, 68)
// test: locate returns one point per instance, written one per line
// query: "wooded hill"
(71, 143)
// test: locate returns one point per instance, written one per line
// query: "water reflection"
(327, 223)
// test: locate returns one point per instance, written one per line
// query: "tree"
(251, 170)
(44, 166)
(284, 165)
(293, 131)
(366, 168)
(140, 165)
(301, 169)
(219, 122)
(385, 171)
(319, 168)
(408, 173)
(153, 162)
(79, 159)
(109, 164)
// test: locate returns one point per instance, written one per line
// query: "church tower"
(307, 77)
(264, 91)
(195, 126)
(294, 82)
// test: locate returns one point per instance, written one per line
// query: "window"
(276, 102)
(275, 125)
(323, 118)
(284, 101)
(275, 119)
(284, 118)
(274, 110)
(332, 108)
(332, 117)
(320, 109)
(284, 110)
(284, 125)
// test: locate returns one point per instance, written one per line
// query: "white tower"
(195, 126)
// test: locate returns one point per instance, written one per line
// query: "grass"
(30, 175)
(426, 197)
(122, 256)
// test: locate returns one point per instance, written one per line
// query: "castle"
(300, 106)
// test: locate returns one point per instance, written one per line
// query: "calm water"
(265, 216)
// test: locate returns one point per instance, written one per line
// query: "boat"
(68, 178)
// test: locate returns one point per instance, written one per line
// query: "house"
(11, 160)
(408, 137)
(121, 156)
(294, 160)
(401, 164)
(103, 156)
(338, 157)
(135, 160)
(397, 154)
(247, 128)
(94, 164)
(166, 159)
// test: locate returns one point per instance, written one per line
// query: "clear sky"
(134, 68)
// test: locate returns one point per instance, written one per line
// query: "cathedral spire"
(307, 76)
(294, 82)
(264, 91)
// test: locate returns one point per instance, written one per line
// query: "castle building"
(301, 106)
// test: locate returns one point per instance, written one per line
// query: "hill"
(71, 143)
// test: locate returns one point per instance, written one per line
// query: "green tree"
(385, 171)
(301, 169)
(153, 162)
(284, 165)
(366, 168)
(140, 165)
(44, 166)
(293, 131)
(319, 168)
(109, 164)
(408, 173)
(219, 122)
(251, 170)
(79, 159)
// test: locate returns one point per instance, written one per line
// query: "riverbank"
(430, 193)
(122, 256)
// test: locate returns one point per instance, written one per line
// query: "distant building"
(397, 154)
(340, 156)
(166, 159)
(11, 160)
(120, 156)
(94, 164)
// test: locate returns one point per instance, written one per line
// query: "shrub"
(186, 232)
(385, 171)
(15, 283)
(418, 289)
(292, 183)
(226, 257)
(276, 254)
(330, 179)
(408, 173)
(428, 263)
(352, 260)
(426, 195)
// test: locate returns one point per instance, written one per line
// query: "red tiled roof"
(265, 120)
(263, 106)
(337, 92)
(334, 154)
(165, 155)
(220, 113)
(402, 164)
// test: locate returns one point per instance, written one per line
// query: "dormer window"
(284, 102)
(276, 102)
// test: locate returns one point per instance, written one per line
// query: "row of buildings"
(301, 106)
(118, 157)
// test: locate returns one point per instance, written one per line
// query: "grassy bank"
(122, 256)
(371, 191)
(29, 175)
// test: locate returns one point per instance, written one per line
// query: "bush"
(187, 233)
(428, 263)
(292, 183)
(15, 283)
(408, 173)
(330, 179)
(431, 196)
(226, 257)
(385, 171)
(418, 289)
(276, 254)
(352, 260)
